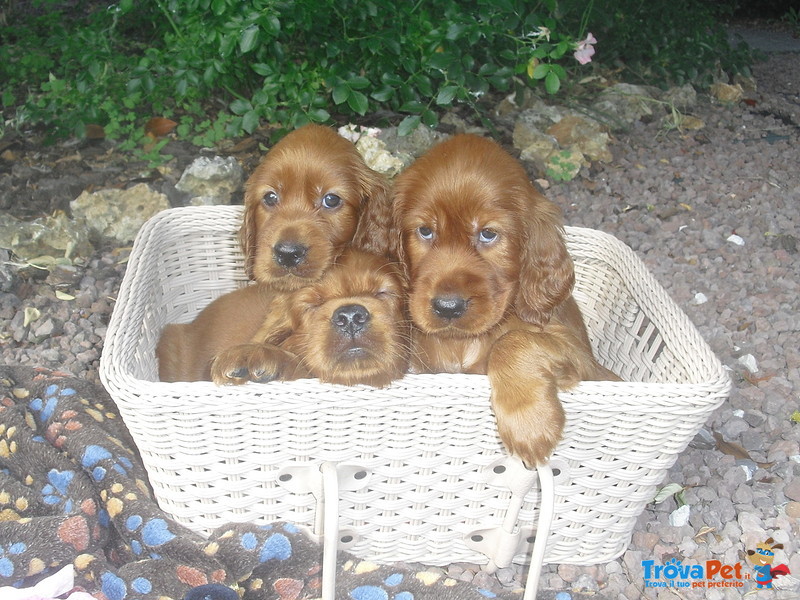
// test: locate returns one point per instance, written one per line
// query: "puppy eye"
(331, 201)
(270, 199)
(487, 236)
(426, 233)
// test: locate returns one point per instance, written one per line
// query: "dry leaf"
(736, 451)
(64, 296)
(703, 531)
(756, 380)
(95, 132)
(30, 315)
(159, 127)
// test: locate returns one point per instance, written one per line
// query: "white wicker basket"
(421, 473)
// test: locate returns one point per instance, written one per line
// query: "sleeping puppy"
(310, 198)
(490, 287)
(348, 327)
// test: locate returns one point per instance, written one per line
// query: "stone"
(622, 104)
(212, 180)
(378, 157)
(55, 235)
(565, 164)
(793, 509)
(117, 215)
(413, 145)
(792, 490)
(727, 93)
(587, 136)
(682, 97)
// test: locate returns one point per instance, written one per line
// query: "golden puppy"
(311, 196)
(490, 284)
(348, 327)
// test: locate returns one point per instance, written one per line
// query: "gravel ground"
(714, 215)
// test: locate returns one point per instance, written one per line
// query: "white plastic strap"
(330, 528)
(545, 520)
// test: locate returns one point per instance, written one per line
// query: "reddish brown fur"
(314, 346)
(301, 170)
(520, 325)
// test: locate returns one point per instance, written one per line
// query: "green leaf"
(430, 118)
(240, 107)
(319, 115)
(359, 83)
(668, 490)
(358, 102)
(446, 95)
(262, 69)
(340, 94)
(218, 7)
(412, 106)
(250, 121)
(541, 71)
(552, 83)
(454, 31)
(249, 39)
(383, 94)
(408, 125)
(441, 60)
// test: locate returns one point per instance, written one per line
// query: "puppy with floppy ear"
(310, 198)
(490, 287)
(349, 327)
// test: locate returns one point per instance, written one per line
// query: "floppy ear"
(247, 236)
(374, 226)
(546, 271)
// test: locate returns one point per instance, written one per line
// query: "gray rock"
(209, 181)
(54, 235)
(117, 215)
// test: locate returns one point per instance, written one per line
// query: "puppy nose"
(449, 307)
(289, 254)
(350, 319)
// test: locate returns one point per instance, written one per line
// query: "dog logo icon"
(762, 558)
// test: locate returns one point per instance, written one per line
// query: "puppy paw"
(531, 430)
(260, 363)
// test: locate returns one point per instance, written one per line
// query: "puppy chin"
(283, 280)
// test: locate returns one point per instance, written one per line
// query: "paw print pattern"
(277, 546)
(93, 455)
(45, 406)
(6, 564)
(153, 533)
(55, 491)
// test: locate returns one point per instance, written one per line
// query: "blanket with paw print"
(74, 493)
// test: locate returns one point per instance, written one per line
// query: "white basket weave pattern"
(421, 467)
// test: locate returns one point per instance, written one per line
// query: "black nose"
(289, 254)
(350, 319)
(449, 307)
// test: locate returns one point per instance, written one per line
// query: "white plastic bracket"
(325, 481)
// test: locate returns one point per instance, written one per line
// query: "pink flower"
(585, 50)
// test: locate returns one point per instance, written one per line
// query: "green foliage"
(662, 43)
(220, 68)
(283, 62)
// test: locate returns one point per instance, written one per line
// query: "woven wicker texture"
(426, 446)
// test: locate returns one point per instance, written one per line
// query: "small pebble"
(748, 361)
(735, 239)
